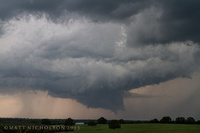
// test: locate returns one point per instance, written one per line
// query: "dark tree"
(166, 119)
(102, 120)
(69, 122)
(121, 121)
(180, 120)
(92, 123)
(46, 121)
(198, 122)
(113, 124)
(154, 121)
(190, 120)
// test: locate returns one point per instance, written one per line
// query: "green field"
(141, 128)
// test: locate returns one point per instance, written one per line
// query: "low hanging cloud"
(93, 57)
(86, 61)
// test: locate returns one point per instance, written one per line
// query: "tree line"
(178, 120)
(112, 124)
(165, 119)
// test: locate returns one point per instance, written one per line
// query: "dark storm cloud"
(11, 8)
(180, 20)
(98, 9)
(164, 22)
(154, 21)
(133, 44)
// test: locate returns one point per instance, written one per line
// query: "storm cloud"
(94, 52)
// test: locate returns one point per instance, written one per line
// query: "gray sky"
(97, 53)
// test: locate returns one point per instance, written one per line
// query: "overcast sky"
(114, 58)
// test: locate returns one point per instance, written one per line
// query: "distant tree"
(138, 121)
(121, 121)
(102, 120)
(46, 121)
(198, 122)
(113, 124)
(180, 120)
(154, 121)
(69, 122)
(190, 120)
(34, 122)
(166, 119)
(92, 123)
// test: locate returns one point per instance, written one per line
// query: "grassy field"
(141, 128)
